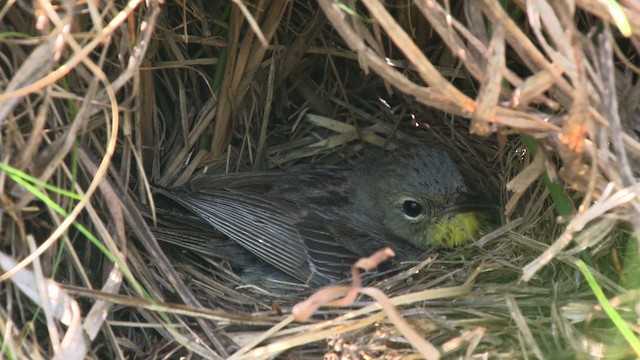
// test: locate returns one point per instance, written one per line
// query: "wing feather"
(291, 236)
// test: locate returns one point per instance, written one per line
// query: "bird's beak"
(470, 202)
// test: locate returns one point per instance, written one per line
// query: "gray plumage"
(314, 224)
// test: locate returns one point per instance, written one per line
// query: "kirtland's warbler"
(314, 224)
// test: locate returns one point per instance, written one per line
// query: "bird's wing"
(291, 236)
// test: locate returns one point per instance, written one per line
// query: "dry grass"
(538, 104)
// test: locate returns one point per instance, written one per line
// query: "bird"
(313, 224)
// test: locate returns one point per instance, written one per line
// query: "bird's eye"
(412, 209)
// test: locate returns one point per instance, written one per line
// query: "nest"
(536, 101)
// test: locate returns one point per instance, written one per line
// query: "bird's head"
(419, 195)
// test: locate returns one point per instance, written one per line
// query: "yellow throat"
(456, 231)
